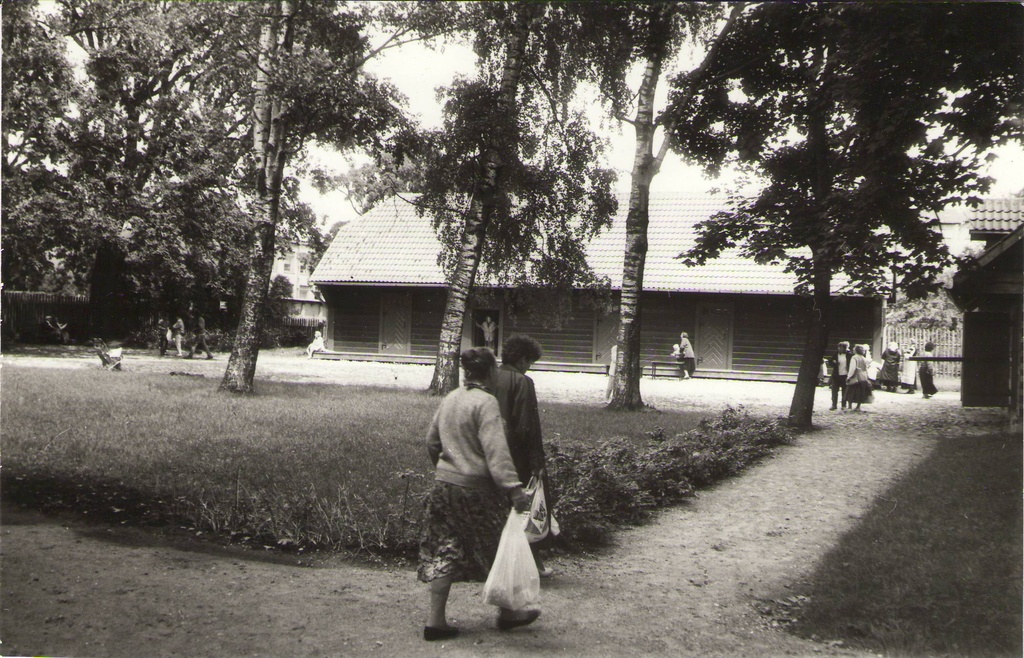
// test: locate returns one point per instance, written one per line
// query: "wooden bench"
(671, 366)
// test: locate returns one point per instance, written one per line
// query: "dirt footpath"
(684, 585)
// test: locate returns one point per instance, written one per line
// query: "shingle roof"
(997, 216)
(392, 245)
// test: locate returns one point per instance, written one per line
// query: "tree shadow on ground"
(934, 568)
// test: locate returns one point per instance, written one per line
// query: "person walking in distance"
(687, 359)
(858, 387)
(926, 372)
(163, 330)
(517, 399)
(839, 367)
(177, 333)
(200, 341)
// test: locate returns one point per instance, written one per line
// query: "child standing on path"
(926, 372)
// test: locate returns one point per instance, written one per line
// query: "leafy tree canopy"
(554, 194)
(907, 100)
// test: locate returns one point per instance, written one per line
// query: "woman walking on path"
(475, 479)
(927, 373)
(889, 376)
(858, 387)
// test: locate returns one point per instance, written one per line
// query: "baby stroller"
(111, 358)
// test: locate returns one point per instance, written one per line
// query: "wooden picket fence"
(24, 314)
(947, 343)
(311, 325)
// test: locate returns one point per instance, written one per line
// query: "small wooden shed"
(385, 296)
(990, 290)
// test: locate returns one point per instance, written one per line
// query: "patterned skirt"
(460, 533)
(859, 393)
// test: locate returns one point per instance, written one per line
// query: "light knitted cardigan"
(466, 441)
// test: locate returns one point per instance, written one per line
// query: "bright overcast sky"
(418, 71)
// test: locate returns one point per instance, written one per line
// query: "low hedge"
(596, 489)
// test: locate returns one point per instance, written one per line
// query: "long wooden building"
(385, 295)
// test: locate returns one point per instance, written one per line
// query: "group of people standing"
(485, 443)
(853, 376)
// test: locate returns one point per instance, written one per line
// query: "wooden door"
(395, 323)
(986, 365)
(606, 334)
(713, 342)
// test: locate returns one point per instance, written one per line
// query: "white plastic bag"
(541, 522)
(513, 582)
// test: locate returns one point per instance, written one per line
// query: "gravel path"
(683, 585)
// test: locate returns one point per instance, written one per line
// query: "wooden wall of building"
(766, 335)
(353, 323)
(427, 314)
(573, 342)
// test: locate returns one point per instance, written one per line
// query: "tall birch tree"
(648, 36)
(308, 83)
(513, 180)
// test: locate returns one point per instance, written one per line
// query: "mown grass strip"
(299, 465)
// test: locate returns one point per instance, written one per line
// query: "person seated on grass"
(57, 330)
(316, 346)
(110, 358)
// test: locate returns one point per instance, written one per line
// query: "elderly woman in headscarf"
(889, 375)
(475, 481)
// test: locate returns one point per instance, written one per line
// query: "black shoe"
(431, 634)
(509, 624)
(832, 408)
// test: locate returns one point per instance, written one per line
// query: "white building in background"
(295, 266)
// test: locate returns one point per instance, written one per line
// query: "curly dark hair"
(517, 347)
(477, 363)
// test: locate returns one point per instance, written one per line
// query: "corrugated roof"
(997, 215)
(392, 245)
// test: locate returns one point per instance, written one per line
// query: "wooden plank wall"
(427, 315)
(356, 318)
(663, 317)
(572, 343)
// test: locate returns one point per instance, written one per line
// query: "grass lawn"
(934, 569)
(299, 464)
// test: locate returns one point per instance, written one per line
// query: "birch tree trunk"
(486, 188)
(269, 154)
(626, 386)
(646, 165)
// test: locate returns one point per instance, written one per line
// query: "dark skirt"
(859, 393)
(889, 375)
(460, 533)
(928, 383)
